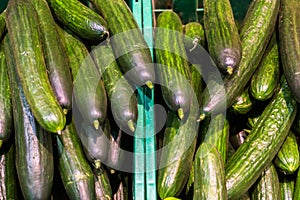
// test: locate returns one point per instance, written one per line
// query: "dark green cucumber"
(224, 44)
(267, 186)
(258, 26)
(287, 160)
(80, 19)
(287, 186)
(262, 144)
(102, 185)
(88, 89)
(296, 195)
(243, 103)
(74, 169)
(8, 177)
(215, 130)
(2, 25)
(128, 43)
(6, 116)
(176, 158)
(55, 57)
(27, 51)
(33, 145)
(265, 80)
(194, 33)
(123, 101)
(173, 70)
(289, 43)
(209, 173)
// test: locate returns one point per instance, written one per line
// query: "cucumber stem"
(149, 84)
(97, 164)
(180, 113)
(131, 125)
(201, 117)
(59, 132)
(229, 70)
(65, 111)
(96, 124)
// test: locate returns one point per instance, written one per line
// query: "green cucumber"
(289, 43)
(74, 169)
(123, 101)
(89, 93)
(209, 173)
(2, 25)
(224, 43)
(258, 26)
(287, 160)
(194, 33)
(296, 195)
(128, 43)
(215, 130)
(287, 186)
(173, 70)
(6, 116)
(80, 19)
(33, 145)
(102, 185)
(262, 144)
(55, 57)
(267, 186)
(243, 103)
(265, 80)
(27, 51)
(8, 177)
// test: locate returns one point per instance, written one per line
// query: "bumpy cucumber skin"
(209, 173)
(289, 43)
(6, 117)
(170, 53)
(262, 144)
(30, 65)
(80, 19)
(33, 145)
(267, 186)
(130, 47)
(55, 57)
(258, 26)
(287, 159)
(74, 169)
(265, 80)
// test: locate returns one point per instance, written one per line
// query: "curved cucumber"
(27, 51)
(262, 144)
(55, 56)
(80, 19)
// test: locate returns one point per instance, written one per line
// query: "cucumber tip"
(59, 132)
(149, 84)
(97, 164)
(65, 111)
(180, 113)
(201, 117)
(96, 124)
(230, 70)
(131, 125)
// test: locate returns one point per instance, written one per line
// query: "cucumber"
(243, 103)
(287, 186)
(224, 43)
(123, 101)
(80, 19)
(296, 195)
(74, 169)
(262, 144)
(8, 177)
(265, 80)
(179, 144)
(287, 160)
(130, 47)
(209, 173)
(33, 145)
(215, 130)
(289, 44)
(194, 33)
(27, 51)
(173, 70)
(102, 185)
(2, 25)
(55, 57)
(89, 93)
(258, 26)
(267, 186)
(6, 116)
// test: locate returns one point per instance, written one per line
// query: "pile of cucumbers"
(69, 71)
